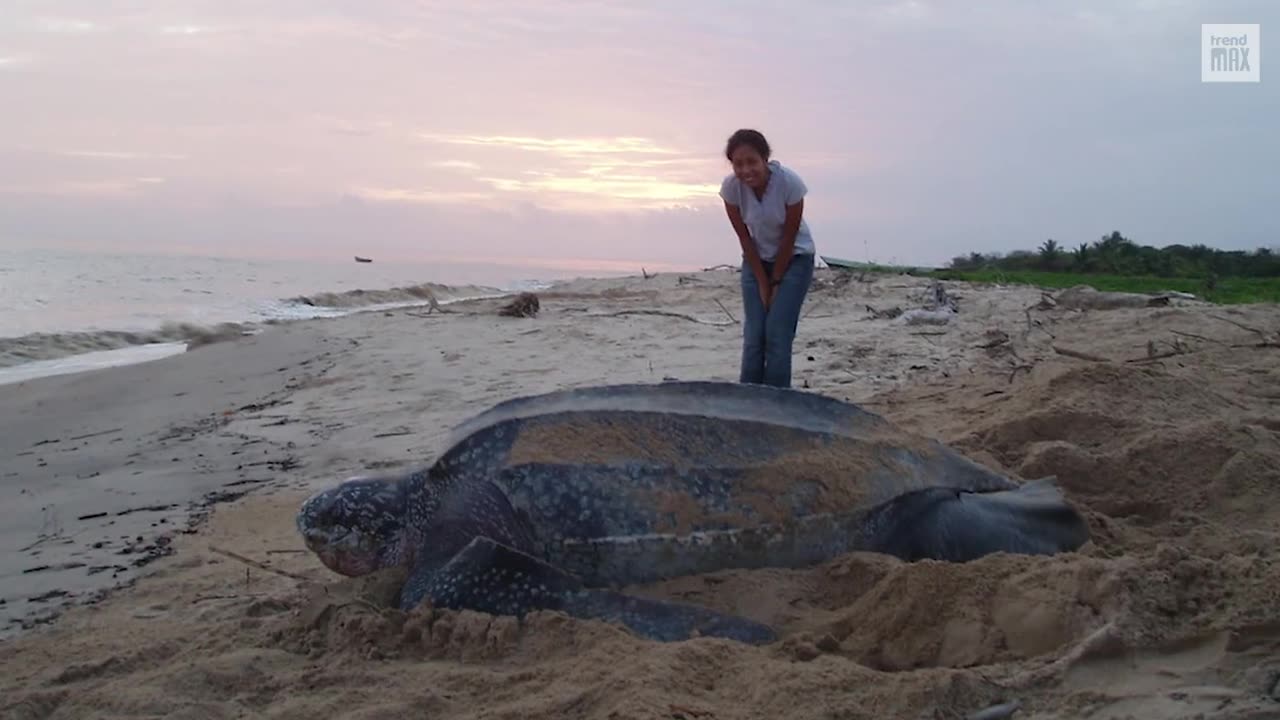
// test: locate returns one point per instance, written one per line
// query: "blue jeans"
(767, 336)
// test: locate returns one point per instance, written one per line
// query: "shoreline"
(155, 344)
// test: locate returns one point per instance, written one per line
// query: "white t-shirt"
(765, 216)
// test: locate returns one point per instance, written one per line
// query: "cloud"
(570, 147)
(585, 174)
(420, 196)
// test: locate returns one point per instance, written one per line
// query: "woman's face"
(749, 166)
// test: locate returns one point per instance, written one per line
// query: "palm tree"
(1049, 254)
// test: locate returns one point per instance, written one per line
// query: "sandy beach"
(161, 479)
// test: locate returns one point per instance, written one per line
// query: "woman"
(765, 204)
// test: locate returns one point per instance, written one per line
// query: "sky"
(591, 132)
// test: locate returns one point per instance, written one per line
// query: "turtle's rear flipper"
(493, 578)
(958, 526)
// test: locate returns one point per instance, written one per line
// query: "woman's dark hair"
(747, 137)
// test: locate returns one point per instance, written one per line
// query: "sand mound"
(1165, 454)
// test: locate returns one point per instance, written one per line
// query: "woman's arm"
(749, 250)
(790, 228)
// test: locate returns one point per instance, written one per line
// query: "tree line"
(1116, 254)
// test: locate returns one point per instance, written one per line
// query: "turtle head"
(357, 526)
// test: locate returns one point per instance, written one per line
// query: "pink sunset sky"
(591, 132)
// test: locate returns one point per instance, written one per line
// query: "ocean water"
(67, 311)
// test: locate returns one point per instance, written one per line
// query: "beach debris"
(921, 316)
(1086, 297)
(525, 305)
(835, 281)
(889, 314)
(726, 311)
(1079, 355)
(937, 298)
(938, 308)
(1271, 339)
(662, 313)
(1046, 303)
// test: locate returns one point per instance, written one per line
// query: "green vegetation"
(1116, 263)
(1226, 291)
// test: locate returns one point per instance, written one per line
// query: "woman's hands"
(767, 288)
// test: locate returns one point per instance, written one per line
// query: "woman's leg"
(783, 318)
(753, 321)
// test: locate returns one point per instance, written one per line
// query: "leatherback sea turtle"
(555, 501)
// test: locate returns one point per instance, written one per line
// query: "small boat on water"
(363, 259)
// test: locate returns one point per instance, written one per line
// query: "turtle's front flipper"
(493, 578)
(958, 526)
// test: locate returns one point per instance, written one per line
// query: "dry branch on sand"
(726, 311)
(661, 313)
(1079, 355)
(889, 314)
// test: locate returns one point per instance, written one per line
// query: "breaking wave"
(50, 346)
(47, 346)
(408, 295)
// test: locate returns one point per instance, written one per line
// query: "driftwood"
(1240, 325)
(726, 311)
(1199, 337)
(889, 314)
(1036, 324)
(661, 313)
(1078, 354)
(1013, 373)
(1086, 297)
(1265, 337)
(525, 304)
